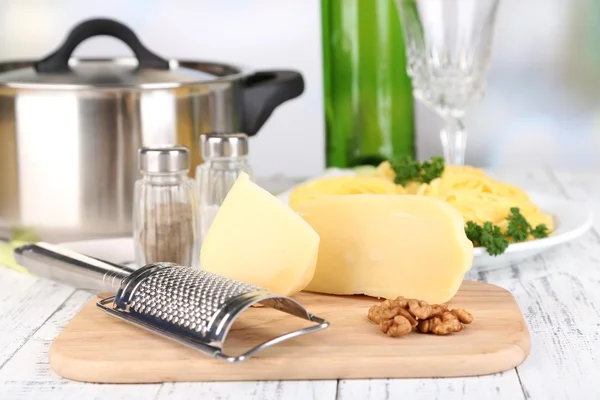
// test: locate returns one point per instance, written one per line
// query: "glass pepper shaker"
(165, 208)
(225, 157)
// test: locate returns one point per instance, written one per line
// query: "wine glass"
(448, 46)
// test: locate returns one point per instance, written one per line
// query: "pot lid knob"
(223, 145)
(164, 159)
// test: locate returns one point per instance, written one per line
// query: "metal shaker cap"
(223, 145)
(162, 159)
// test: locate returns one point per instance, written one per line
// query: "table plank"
(276, 390)
(25, 303)
(505, 385)
(563, 316)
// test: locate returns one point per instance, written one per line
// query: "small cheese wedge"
(388, 246)
(257, 239)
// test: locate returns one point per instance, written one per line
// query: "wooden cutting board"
(96, 347)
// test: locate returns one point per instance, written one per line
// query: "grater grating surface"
(197, 308)
(186, 297)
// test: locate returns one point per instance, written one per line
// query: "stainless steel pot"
(70, 128)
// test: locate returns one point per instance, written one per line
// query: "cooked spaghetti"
(477, 196)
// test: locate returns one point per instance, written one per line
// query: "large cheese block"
(388, 245)
(257, 239)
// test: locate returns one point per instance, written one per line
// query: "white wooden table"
(559, 294)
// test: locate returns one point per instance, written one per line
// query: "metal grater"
(197, 308)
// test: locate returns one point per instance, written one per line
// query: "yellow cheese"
(257, 239)
(388, 245)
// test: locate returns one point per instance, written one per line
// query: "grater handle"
(71, 268)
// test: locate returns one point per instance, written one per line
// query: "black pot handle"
(264, 91)
(59, 60)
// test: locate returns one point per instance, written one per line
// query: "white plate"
(572, 219)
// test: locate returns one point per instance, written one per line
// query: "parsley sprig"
(408, 170)
(487, 235)
(495, 241)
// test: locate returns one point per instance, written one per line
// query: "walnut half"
(448, 323)
(398, 326)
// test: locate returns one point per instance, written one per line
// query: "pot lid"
(145, 70)
(122, 72)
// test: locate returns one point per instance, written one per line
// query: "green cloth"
(6, 255)
(19, 237)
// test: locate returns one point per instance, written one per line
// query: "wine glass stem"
(454, 141)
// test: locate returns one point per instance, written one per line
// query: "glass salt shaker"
(225, 157)
(165, 208)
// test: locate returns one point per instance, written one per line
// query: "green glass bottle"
(368, 95)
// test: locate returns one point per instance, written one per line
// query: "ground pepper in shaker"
(225, 157)
(165, 208)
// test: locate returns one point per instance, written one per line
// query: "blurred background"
(542, 105)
